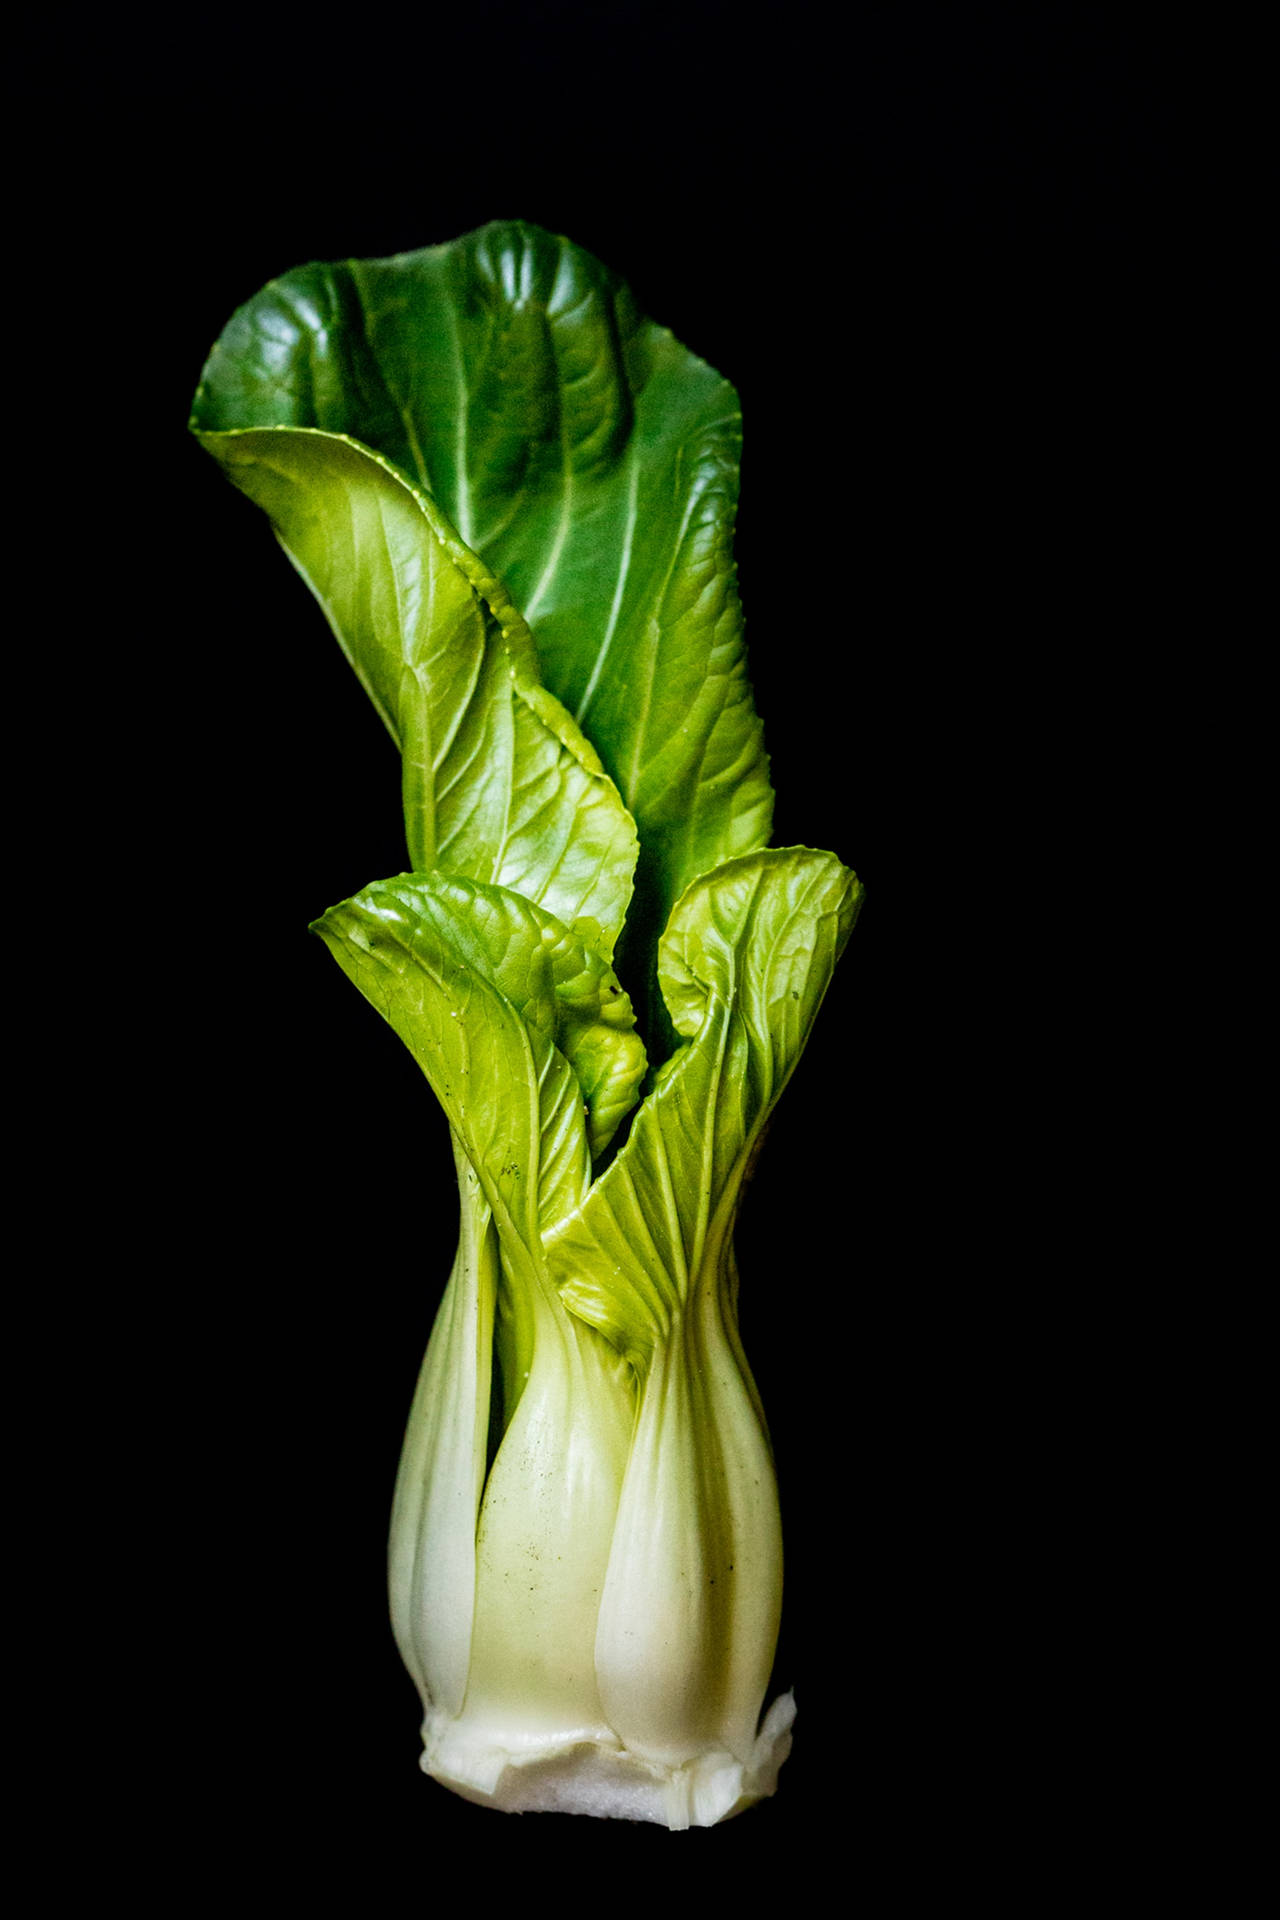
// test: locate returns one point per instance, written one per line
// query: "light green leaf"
(744, 965)
(591, 462)
(558, 983)
(463, 976)
(594, 1029)
(499, 1005)
(499, 783)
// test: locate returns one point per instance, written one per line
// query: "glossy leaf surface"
(587, 457)
(498, 781)
(744, 965)
(464, 976)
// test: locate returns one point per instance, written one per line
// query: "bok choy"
(513, 496)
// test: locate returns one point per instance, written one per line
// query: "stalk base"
(606, 1782)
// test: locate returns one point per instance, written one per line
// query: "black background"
(928, 245)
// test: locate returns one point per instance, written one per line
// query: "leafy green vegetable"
(513, 497)
(589, 461)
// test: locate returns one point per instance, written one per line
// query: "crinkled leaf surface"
(411, 946)
(499, 782)
(587, 457)
(559, 985)
(744, 964)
